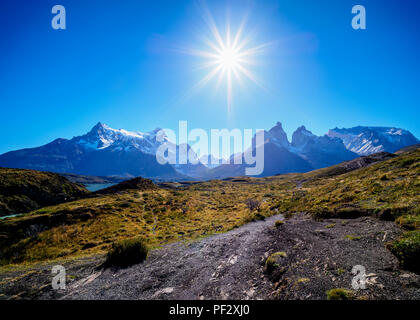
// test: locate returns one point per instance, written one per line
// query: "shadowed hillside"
(26, 190)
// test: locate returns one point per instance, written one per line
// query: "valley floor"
(319, 256)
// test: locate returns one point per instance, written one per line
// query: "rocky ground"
(318, 256)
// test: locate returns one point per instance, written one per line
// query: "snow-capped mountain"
(102, 137)
(306, 152)
(103, 151)
(321, 151)
(368, 140)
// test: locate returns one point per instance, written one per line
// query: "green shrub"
(339, 294)
(340, 271)
(352, 237)
(252, 217)
(126, 252)
(407, 250)
(409, 222)
(259, 216)
(407, 162)
(279, 223)
(271, 263)
(384, 178)
(125, 204)
(303, 280)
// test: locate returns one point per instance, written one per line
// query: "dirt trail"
(232, 266)
(224, 266)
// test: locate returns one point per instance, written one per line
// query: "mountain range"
(367, 140)
(105, 151)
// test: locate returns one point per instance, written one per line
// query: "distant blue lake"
(91, 187)
(11, 216)
(98, 186)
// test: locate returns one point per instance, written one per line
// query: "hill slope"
(331, 225)
(389, 189)
(26, 190)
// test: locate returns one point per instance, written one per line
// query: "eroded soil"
(232, 265)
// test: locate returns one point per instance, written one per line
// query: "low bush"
(407, 250)
(126, 253)
(409, 222)
(279, 223)
(259, 217)
(352, 237)
(339, 294)
(272, 261)
(253, 204)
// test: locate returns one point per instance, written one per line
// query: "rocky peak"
(301, 136)
(277, 136)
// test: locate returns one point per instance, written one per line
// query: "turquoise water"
(98, 186)
(11, 216)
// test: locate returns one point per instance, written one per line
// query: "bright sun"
(228, 57)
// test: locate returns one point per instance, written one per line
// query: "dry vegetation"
(26, 190)
(389, 190)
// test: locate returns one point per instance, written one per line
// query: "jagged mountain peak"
(301, 137)
(102, 136)
(107, 151)
(277, 135)
(367, 140)
(302, 128)
(278, 128)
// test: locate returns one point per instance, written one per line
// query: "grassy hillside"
(388, 189)
(26, 190)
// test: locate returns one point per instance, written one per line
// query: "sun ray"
(229, 89)
(213, 28)
(239, 32)
(255, 50)
(213, 46)
(228, 57)
(206, 65)
(208, 77)
(251, 76)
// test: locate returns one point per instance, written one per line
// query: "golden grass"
(90, 226)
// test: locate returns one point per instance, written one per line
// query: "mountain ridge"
(365, 140)
(104, 151)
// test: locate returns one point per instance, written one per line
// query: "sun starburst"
(227, 57)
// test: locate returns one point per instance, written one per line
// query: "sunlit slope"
(388, 189)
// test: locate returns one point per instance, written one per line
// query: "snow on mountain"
(306, 152)
(369, 140)
(102, 137)
(317, 151)
(105, 151)
(320, 151)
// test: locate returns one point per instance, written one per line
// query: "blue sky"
(116, 63)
